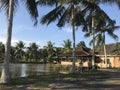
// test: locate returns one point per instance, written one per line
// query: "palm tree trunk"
(93, 57)
(73, 35)
(5, 76)
(105, 52)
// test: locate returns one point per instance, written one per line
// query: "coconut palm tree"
(103, 25)
(9, 6)
(50, 50)
(19, 50)
(94, 14)
(33, 52)
(67, 46)
(66, 11)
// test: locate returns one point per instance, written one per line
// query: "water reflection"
(23, 70)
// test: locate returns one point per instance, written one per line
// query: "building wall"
(113, 62)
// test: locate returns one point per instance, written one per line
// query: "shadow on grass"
(99, 80)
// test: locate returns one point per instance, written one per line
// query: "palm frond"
(63, 19)
(4, 5)
(52, 15)
(47, 2)
(32, 9)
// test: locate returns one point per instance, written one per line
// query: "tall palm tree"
(66, 11)
(102, 25)
(94, 14)
(9, 6)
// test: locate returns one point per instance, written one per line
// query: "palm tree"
(83, 45)
(102, 25)
(67, 46)
(94, 15)
(33, 52)
(19, 50)
(50, 50)
(9, 6)
(66, 11)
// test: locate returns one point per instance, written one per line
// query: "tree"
(94, 17)
(9, 6)
(19, 50)
(102, 24)
(50, 50)
(67, 46)
(82, 44)
(32, 52)
(66, 11)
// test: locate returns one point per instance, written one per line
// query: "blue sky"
(24, 30)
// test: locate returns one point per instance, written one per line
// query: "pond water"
(23, 70)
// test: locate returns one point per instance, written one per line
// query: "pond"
(23, 70)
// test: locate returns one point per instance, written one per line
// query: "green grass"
(40, 81)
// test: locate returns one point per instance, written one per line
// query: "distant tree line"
(33, 53)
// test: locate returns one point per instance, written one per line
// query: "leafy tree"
(66, 11)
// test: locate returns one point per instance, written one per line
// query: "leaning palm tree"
(9, 6)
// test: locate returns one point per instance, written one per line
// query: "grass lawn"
(43, 81)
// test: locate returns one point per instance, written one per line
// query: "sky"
(24, 30)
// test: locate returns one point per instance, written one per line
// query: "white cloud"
(69, 30)
(22, 27)
(27, 42)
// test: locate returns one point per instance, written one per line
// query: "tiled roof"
(79, 52)
(109, 49)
